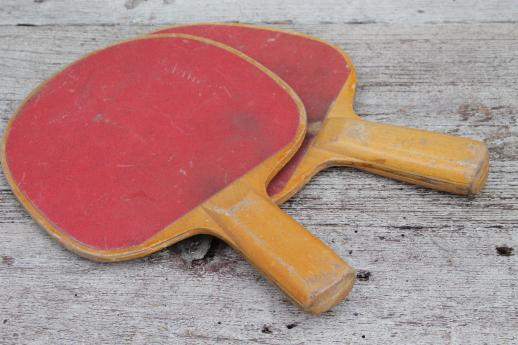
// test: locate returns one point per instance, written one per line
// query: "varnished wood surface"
(432, 267)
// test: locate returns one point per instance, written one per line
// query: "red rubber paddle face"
(315, 70)
(125, 141)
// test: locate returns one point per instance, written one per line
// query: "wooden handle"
(301, 265)
(434, 160)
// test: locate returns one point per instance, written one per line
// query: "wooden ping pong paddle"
(152, 140)
(324, 77)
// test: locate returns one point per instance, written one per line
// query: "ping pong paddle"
(152, 140)
(324, 78)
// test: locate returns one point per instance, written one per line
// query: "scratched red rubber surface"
(122, 143)
(313, 69)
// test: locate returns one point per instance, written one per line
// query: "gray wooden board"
(295, 11)
(435, 274)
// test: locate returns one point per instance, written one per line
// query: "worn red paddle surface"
(315, 70)
(125, 141)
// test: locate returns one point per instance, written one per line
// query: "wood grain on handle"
(434, 160)
(301, 265)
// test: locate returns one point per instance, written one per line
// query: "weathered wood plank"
(436, 276)
(53, 12)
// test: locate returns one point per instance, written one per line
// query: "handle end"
(324, 299)
(481, 168)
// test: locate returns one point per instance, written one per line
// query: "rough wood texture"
(430, 270)
(53, 12)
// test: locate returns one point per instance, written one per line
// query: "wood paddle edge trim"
(177, 230)
(314, 160)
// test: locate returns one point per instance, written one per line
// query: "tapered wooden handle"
(301, 265)
(434, 160)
